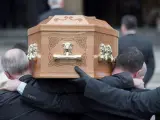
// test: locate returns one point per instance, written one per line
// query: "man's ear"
(136, 75)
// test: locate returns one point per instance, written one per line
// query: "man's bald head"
(56, 4)
(15, 61)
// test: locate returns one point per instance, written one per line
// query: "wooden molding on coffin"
(85, 33)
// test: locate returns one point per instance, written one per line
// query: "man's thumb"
(79, 71)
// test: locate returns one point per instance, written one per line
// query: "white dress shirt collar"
(130, 32)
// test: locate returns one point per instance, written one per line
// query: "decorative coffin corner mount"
(33, 52)
(106, 53)
(61, 42)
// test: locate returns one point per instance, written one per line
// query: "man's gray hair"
(15, 61)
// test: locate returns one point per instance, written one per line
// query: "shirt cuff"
(21, 87)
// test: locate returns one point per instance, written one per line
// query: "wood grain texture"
(85, 34)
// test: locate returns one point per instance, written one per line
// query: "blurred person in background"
(154, 18)
(34, 9)
(56, 8)
(131, 39)
(131, 7)
(21, 46)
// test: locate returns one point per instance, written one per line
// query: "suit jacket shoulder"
(54, 12)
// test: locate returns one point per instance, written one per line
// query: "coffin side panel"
(52, 44)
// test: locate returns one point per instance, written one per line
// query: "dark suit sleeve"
(144, 102)
(150, 62)
(3, 98)
(119, 82)
(53, 102)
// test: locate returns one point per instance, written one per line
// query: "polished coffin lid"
(73, 23)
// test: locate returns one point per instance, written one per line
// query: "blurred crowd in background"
(25, 13)
(21, 13)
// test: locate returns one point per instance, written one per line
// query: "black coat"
(12, 108)
(145, 46)
(66, 97)
(139, 105)
(53, 12)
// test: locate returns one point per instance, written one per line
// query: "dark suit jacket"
(67, 98)
(141, 104)
(12, 108)
(145, 46)
(53, 12)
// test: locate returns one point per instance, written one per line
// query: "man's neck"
(119, 70)
(25, 73)
(130, 32)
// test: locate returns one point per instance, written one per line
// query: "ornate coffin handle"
(67, 55)
(33, 52)
(105, 53)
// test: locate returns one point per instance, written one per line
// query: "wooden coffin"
(59, 43)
